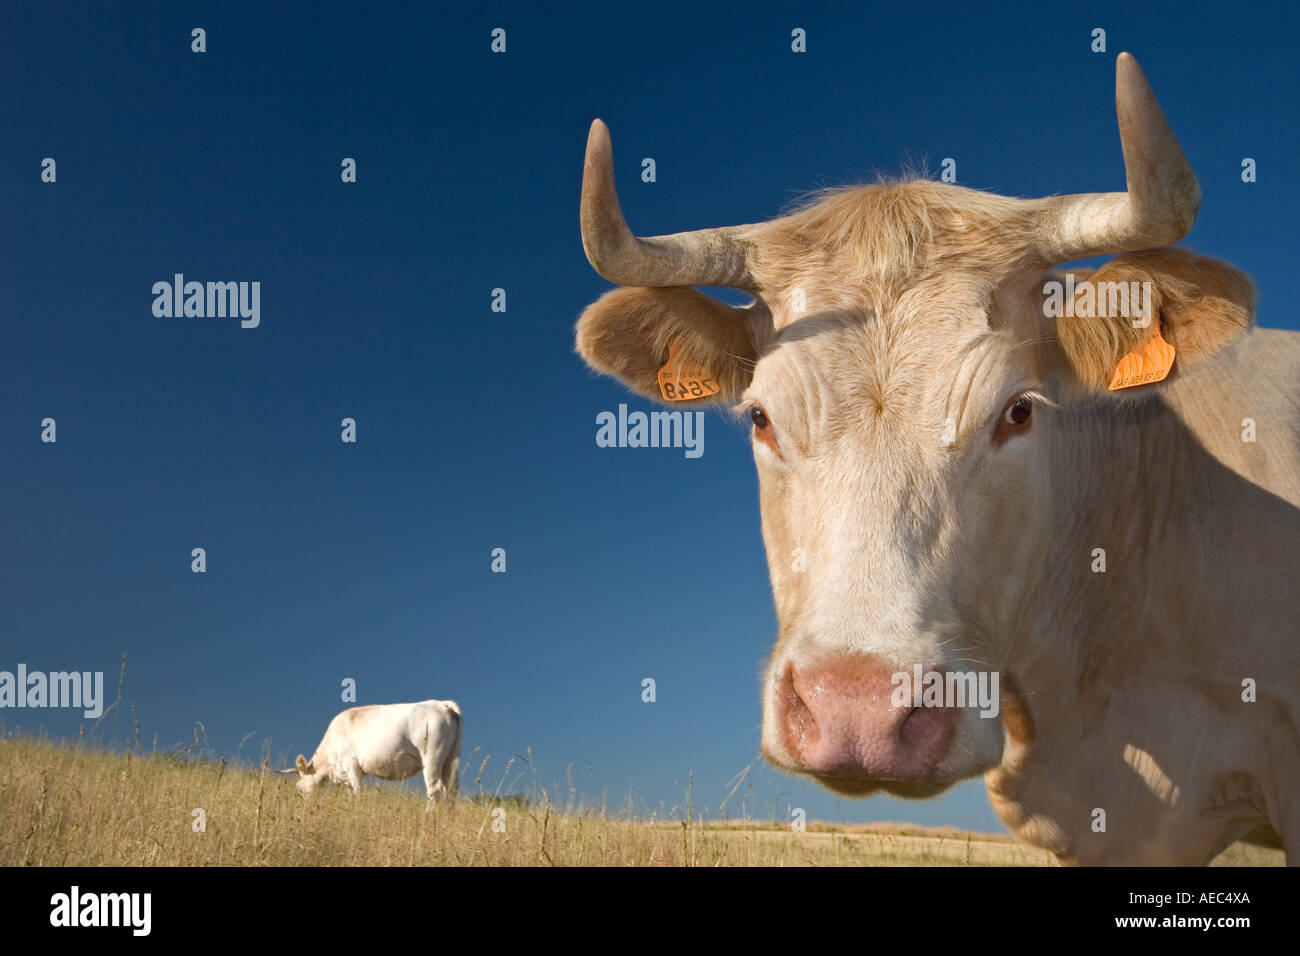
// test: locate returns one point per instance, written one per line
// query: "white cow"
(389, 741)
(1085, 486)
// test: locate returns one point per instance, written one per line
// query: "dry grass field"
(74, 805)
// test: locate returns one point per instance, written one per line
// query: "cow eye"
(763, 431)
(1016, 418)
(1018, 412)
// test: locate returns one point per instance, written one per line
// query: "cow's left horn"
(1163, 194)
(705, 257)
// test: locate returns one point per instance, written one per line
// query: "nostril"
(797, 718)
(905, 727)
(921, 727)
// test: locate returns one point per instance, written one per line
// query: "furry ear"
(303, 766)
(629, 333)
(1197, 304)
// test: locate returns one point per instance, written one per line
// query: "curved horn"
(1163, 194)
(706, 257)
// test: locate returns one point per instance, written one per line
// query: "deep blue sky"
(477, 429)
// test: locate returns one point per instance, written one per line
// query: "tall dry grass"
(66, 804)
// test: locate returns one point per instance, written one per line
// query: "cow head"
(904, 362)
(310, 777)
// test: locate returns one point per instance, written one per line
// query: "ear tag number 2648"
(684, 381)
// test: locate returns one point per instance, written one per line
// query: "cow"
(977, 463)
(389, 741)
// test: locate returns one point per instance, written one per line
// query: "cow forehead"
(921, 373)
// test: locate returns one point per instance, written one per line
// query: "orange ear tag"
(684, 381)
(1146, 364)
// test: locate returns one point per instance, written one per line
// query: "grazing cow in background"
(389, 741)
(1084, 484)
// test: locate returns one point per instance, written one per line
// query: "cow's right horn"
(705, 257)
